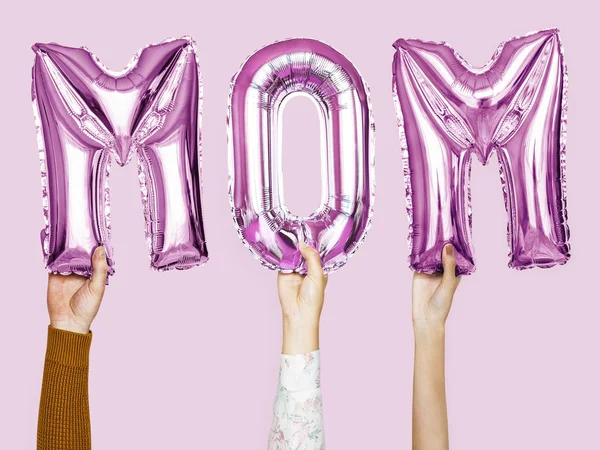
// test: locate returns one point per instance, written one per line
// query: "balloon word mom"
(515, 107)
(259, 92)
(85, 116)
(448, 112)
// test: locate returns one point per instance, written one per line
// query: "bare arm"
(432, 299)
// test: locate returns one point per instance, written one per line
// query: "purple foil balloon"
(85, 116)
(259, 90)
(448, 111)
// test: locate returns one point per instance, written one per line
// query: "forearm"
(430, 419)
(64, 416)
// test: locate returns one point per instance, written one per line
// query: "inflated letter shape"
(85, 117)
(448, 111)
(337, 228)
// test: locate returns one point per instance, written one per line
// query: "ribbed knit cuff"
(68, 348)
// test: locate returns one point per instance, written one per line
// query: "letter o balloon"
(258, 94)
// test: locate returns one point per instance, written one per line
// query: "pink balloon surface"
(269, 78)
(87, 115)
(448, 111)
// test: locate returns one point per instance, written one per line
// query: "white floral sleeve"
(298, 412)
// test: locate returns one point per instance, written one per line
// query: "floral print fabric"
(298, 409)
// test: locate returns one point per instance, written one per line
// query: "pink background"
(189, 359)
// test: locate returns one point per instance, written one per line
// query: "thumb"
(99, 271)
(313, 262)
(449, 278)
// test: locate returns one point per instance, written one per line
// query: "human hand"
(73, 300)
(301, 298)
(432, 294)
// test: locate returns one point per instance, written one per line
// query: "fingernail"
(449, 250)
(302, 245)
(101, 252)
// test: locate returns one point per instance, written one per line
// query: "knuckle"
(311, 252)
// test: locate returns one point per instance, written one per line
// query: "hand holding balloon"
(432, 299)
(73, 300)
(302, 298)
(432, 294)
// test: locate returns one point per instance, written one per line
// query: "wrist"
(428, 331)
(300, 320)
(71, 326)
(298, 339)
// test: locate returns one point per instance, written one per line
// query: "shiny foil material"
(86, 116)
(258, 93)
(449, 112)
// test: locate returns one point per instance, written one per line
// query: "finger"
(99, 271)
(313, 262)
(449, 278)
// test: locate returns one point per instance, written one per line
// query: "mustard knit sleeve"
(64, 416)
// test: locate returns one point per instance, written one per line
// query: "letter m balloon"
(86, 116)
(448, 111)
